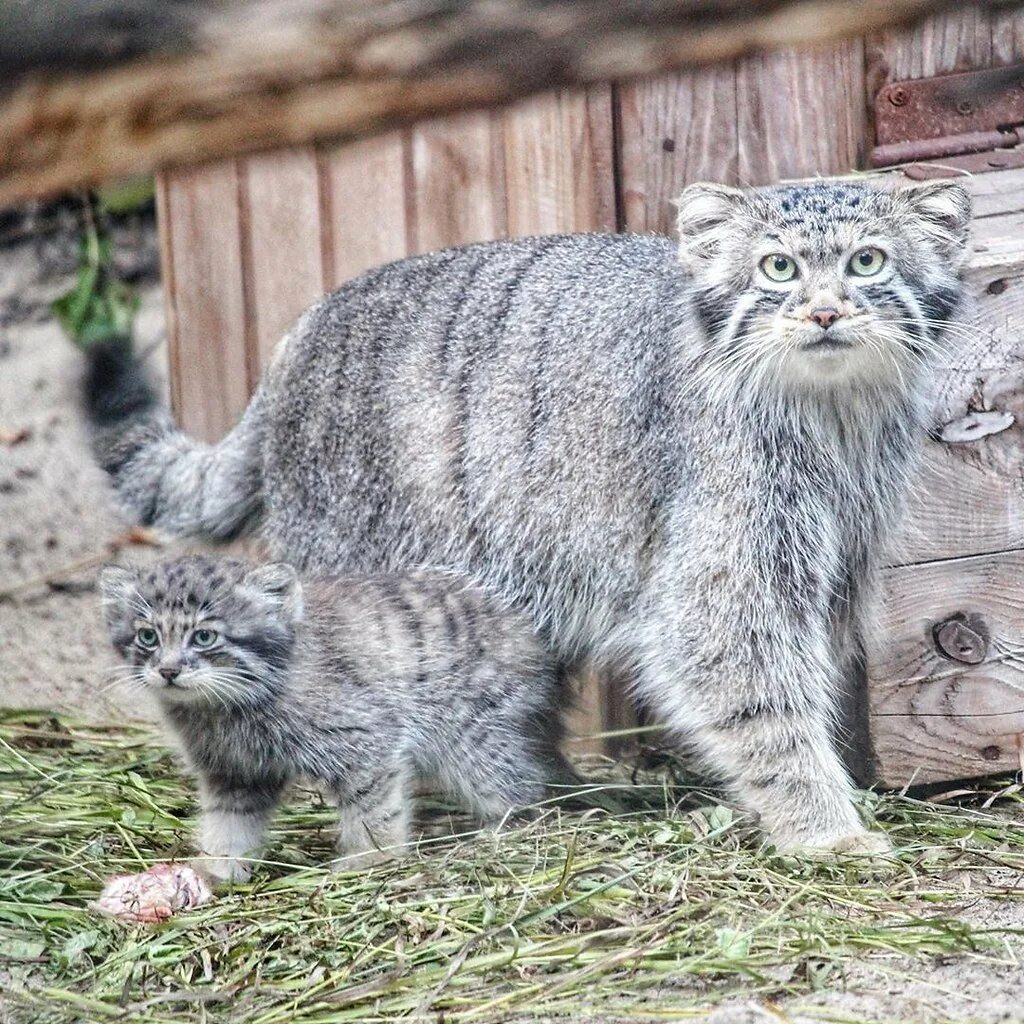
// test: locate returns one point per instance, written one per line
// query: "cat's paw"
(362, 861)
(872, 850)
(223, 870)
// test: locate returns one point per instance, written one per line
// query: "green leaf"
(73, 306)
(26, 949)
(39, 890)
(78, 944)
(733, 945)
(719, 817)
(99, 307)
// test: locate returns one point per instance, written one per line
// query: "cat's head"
(830, 282)
(202, 630)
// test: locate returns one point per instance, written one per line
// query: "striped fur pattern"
(686, 456)
(364, 684)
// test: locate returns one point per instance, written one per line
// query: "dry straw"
(651, 914)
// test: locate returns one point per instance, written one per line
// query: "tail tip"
(115, 387)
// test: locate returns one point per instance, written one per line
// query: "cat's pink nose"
(824, 318)
(170, 672)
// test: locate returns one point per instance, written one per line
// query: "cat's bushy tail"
(164, 478)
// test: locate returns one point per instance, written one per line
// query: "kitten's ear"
(116, 583)
(703, 210)
(944, 207)
(280, 582)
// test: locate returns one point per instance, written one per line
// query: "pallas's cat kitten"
(361, 683)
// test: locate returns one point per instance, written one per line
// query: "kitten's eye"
(778, 267)
(204, 638)
(147, 637)
(867, 262)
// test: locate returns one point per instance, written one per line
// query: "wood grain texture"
(282, 246)
(208, 352)
(956, 41)
(363, 205)
(674, 130)
(215, 81)
(600, 704)
(784, 115)
(557, 152)
(969, 497)
(457, 188)
(800, 114)
(1007, 36)
(932, 718)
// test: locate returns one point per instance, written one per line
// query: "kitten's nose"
(170, 672)
(825, 317)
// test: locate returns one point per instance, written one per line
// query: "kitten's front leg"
(233, 824)
(373, 817)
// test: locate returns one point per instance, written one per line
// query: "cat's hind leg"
(374, 811)
(496, 770)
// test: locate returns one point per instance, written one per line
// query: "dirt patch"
(59, 518)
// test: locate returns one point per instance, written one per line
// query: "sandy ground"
(57, 515)
(58, 520)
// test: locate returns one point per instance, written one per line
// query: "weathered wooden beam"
(96, 89)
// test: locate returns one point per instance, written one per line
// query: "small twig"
(135, 536)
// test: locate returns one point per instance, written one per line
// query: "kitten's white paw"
(222, 870)
(362, 861)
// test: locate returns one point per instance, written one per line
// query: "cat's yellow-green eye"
(778, 267)
(146, 636)
(204, 637)
(867, 262)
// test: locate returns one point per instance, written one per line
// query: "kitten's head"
(831, 282)
(201, 630)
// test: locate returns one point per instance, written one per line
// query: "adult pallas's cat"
(687, 457)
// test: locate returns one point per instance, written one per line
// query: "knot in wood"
(959, 642)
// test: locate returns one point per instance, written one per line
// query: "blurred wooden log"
(96, 89)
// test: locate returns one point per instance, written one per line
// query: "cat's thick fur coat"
(364, 684)
(657, 451)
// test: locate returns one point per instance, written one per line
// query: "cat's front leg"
(233, 824)
(783, 765)
(757, 705)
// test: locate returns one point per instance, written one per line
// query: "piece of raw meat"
(153, 895)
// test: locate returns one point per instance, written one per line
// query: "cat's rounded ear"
(703, 210)
(280, 582)
(116, 583)
(943, 209)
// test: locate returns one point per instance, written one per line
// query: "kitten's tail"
(162, 476)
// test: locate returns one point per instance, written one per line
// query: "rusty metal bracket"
(970, 115)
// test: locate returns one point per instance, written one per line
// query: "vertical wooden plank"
(282, 245)
(168, 280)
(558, 159)
(457, 193)
(1007, 36)
(673, 130)
(801, 113)
(957, 41)
(363, 205)
(600, 704)
(207, 341)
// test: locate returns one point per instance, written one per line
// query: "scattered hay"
(649, 915)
